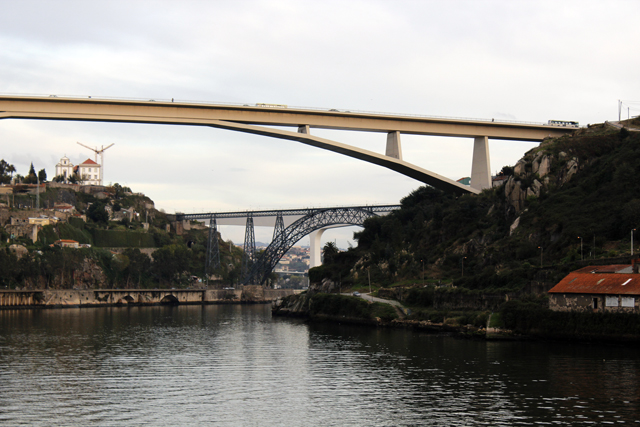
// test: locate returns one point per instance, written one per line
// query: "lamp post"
(580, 248)
(463, 258)
(632, 241)
(540, 247)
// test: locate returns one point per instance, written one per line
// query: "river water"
(234, 365)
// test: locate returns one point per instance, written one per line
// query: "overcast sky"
(513, 60)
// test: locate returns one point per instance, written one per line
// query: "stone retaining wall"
(108, 297)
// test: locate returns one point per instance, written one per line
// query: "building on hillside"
(64, 207)
(89, 171)
(65, 243)
(598, 288)
(64, 168)
(42, 221)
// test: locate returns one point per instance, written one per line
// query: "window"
(611, 301)
(627, 302)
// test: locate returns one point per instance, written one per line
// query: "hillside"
(570, 198)
(122, 242)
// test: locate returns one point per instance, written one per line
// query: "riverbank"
(11, 299)
(515, 321)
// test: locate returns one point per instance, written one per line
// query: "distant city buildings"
(295, 260)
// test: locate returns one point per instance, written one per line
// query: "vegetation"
(533, 318)
(468, 241)
(174, 263)
(349, 307)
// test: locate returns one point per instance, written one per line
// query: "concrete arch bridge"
(289, 226)
(256, 119)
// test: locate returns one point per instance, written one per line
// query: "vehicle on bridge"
(563, 123)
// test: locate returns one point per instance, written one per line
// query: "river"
(234, 365)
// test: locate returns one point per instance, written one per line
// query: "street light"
(540, 247)
(463, 258)
(632, 241)
(580, 247)
(423, 272)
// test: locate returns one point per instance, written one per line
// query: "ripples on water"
(235, 366)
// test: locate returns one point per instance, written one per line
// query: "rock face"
(326, 286)
(533, 173)
(19, 250)
(90, 276)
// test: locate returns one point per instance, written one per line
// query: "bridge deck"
(93, 109)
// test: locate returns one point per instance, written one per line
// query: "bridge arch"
(258, 120)
(169, 300)
(127, 299)
(314, 220)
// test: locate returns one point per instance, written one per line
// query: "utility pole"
(619, 109)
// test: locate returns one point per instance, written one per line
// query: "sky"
(509, 60)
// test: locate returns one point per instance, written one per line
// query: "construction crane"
(101, 153)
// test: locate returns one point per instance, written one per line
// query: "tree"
(97, 213)
(31, 177)
(329, 252)
(42, 175)
(139, 265)
(5, 170)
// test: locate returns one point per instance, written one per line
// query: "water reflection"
(234, 365)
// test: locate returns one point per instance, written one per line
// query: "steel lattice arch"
(315, 219)
(256, 270)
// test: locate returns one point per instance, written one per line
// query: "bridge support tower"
(480, 167)
(249, 255)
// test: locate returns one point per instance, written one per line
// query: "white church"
(89, 171)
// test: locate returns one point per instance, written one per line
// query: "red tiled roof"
(599, 280)
(602, 268)
(88, 162)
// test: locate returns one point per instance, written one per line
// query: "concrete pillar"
(393, 145)
(480, 168)
(304, 129)
(314, 250)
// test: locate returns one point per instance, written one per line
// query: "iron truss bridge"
(290, 226)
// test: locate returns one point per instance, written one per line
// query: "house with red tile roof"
(89, 171)
(66, 243)
(598, 288)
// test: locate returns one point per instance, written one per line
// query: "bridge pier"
(480, 167)
(249, 255)
(315, 258)
(393, 145)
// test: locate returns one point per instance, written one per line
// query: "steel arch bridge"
(316, 219)
(290, 225)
